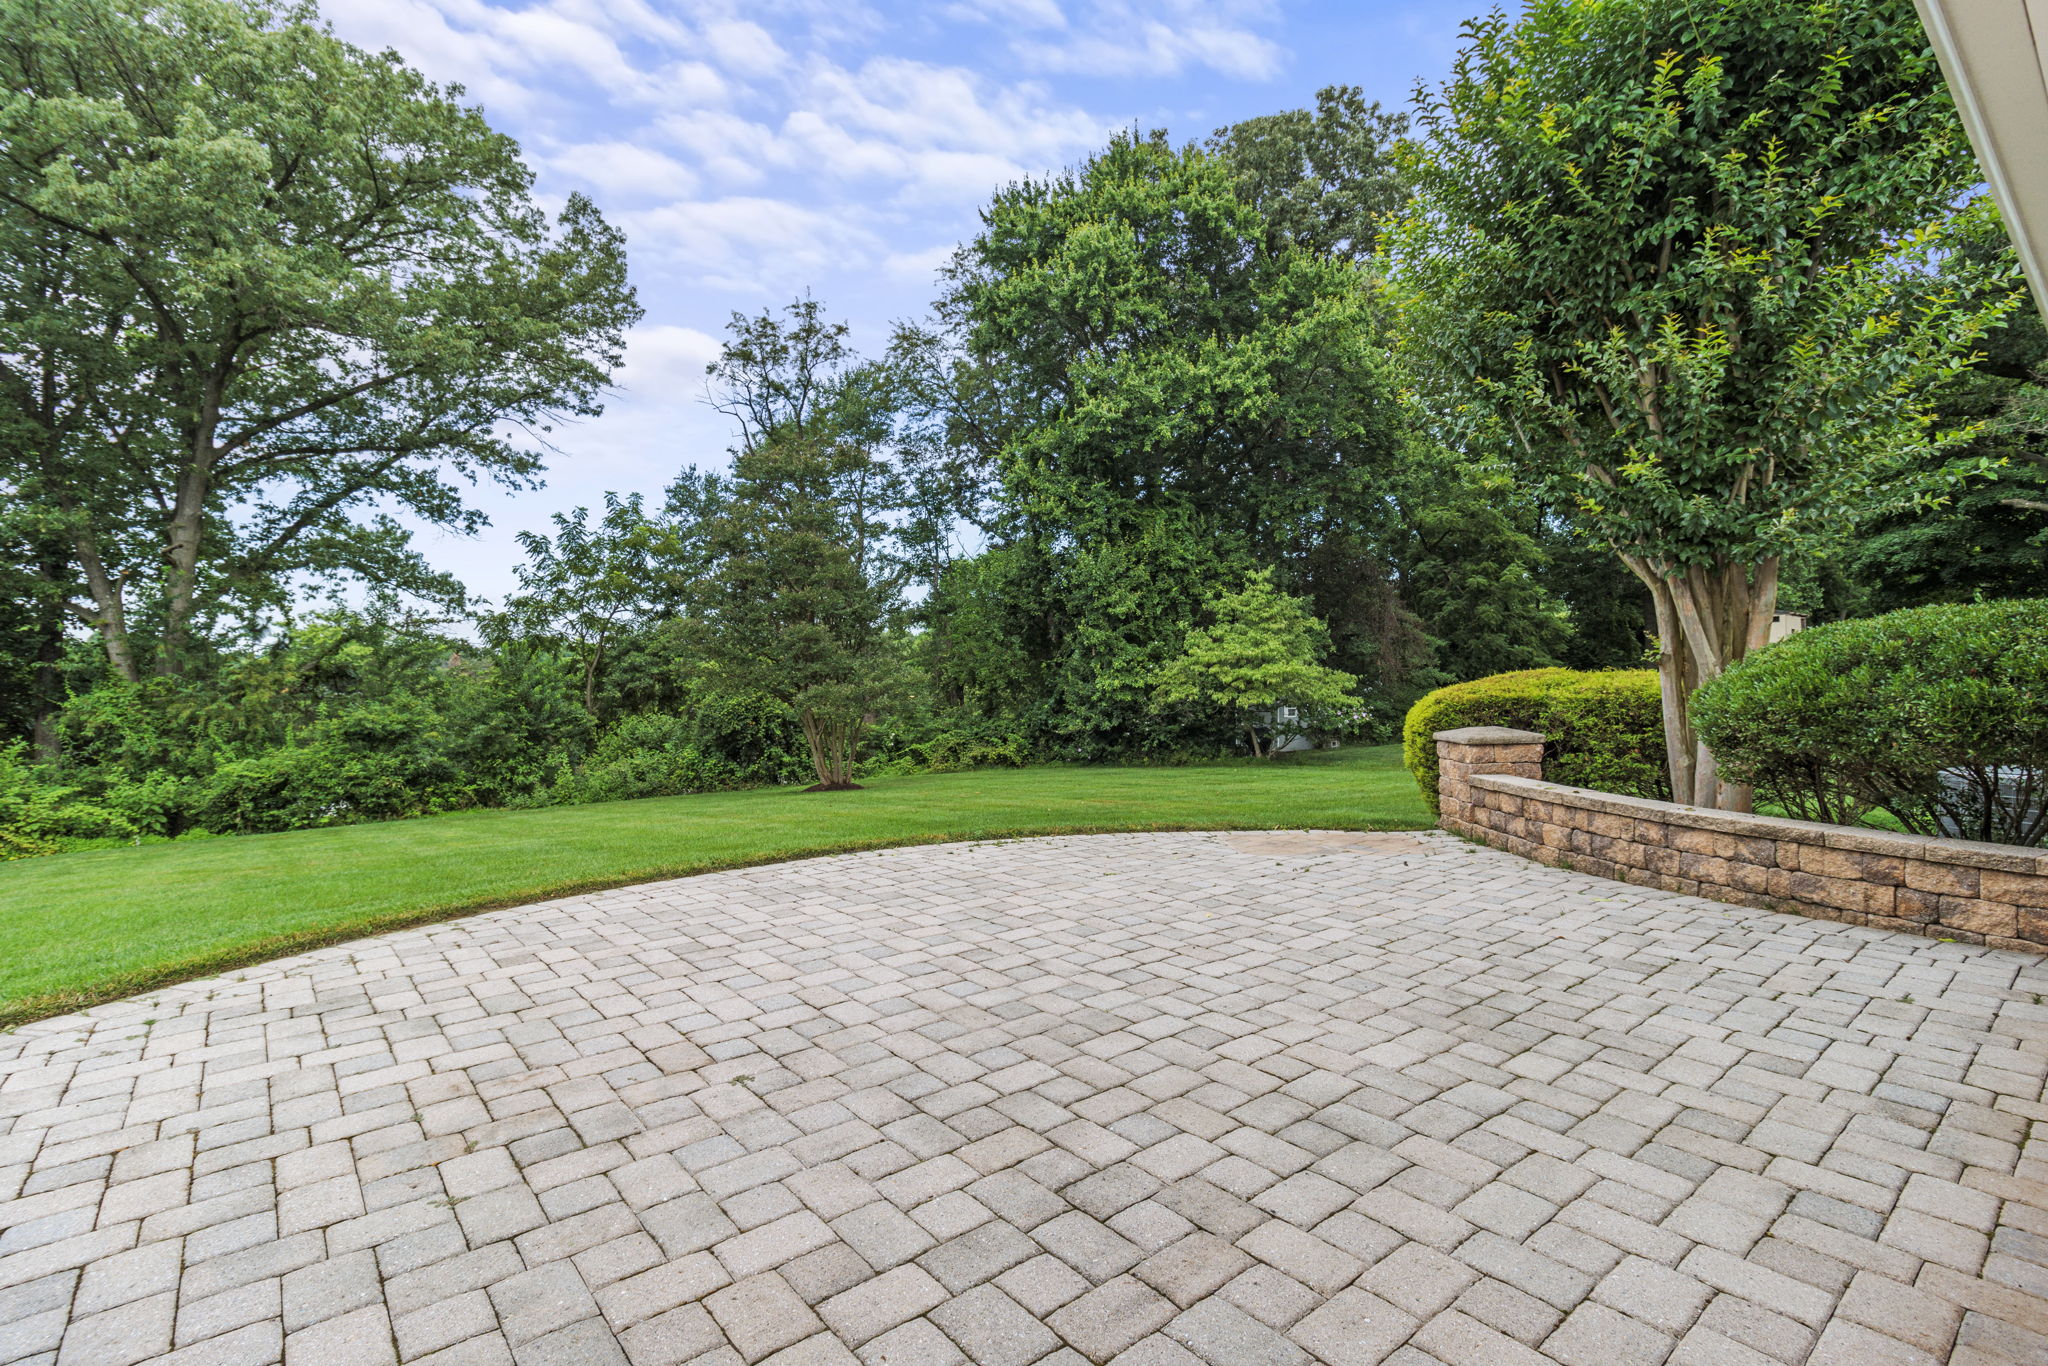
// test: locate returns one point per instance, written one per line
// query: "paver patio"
(1154, 1100)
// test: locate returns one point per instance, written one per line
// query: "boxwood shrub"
(1601, 729)
(1856, 716)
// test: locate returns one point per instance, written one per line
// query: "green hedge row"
(1937, 716)
(1601, 730)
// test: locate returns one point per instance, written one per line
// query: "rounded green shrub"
(973, 744)
(373, 761)
(757, 738)
(1937, 715)
(1602, 729)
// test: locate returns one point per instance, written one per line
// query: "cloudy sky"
(752, 151)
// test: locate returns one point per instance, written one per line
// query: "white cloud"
(1163, 38)
(745, 48)
(919, 267)
(547, 40)
(625, 170)
(942, 134)
(1032, 13)
(664, 361)
(688, 84)
(513, 60)
(751, 244)
(424, 33)
(728, 147)
(916, 105)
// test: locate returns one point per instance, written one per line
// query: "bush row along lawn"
(85, 927)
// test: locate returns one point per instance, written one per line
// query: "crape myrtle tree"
(1680, 263)
(261, 289)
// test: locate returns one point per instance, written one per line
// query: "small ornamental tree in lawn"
(1259, 656)
(1678, 263)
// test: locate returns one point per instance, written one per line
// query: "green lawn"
(84, 927)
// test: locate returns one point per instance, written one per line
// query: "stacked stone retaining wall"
(1490, 788)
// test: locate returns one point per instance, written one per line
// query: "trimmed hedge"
(1856, 716)
(1602, 729)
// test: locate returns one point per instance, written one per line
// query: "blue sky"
(755, 151)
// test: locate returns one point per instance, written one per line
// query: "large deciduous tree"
(1325, 179)
(261, 290)
(1678, 261)
(1168, 396)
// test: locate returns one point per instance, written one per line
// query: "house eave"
(1995, 56)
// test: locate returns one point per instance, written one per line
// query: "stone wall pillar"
(1479, 749)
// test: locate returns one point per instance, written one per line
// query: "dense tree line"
(1304, 413)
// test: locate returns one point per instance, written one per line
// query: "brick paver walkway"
(1155, 1100)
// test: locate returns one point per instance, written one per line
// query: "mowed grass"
(86, 927)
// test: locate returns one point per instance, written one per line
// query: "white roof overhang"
(1995, 55)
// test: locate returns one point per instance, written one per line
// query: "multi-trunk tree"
(262, 290)
(1679, 264)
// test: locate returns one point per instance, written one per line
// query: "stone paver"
(1234, 1099)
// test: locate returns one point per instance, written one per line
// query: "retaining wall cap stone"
(1488, 735)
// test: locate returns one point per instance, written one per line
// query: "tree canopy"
(261, 288)
(1325, 179)
(1167, 396)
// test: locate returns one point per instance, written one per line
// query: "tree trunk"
(814, 740)
(181, 559)
(1673, 689)
(111, 613)
(1707, 618)
(45, 681)
(832, 743)
(590, 679)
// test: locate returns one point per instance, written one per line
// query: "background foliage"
(1023, 529)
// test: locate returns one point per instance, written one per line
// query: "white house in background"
(1995, 55)
(1280, 720)
(1785, 623)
